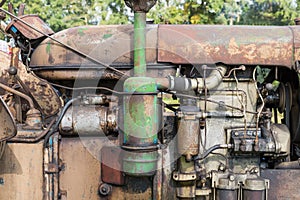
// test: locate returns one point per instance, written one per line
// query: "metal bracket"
(184, 177)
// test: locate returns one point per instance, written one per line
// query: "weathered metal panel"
(29, 33)
(283, 184)
(111, 165)
(80, 175)
(108, 44)
(8, 127)
(236, 45)
(21, 172)
(296, 33)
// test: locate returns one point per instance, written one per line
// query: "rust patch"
(42, 92)
(29, 33)
(111, 165)
(249, 45)
(8, 128)
(282, 183)
(109, 44)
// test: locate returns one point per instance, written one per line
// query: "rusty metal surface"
(41, 91)
(111, 165)
(35, 21)
(8, 127)
(249, 45)
(296, 32)
(108, 44)
(140, 5)
(99, 121)
(80, 175)
(283, 184)
(21, 169)
(188, 137)
(85, 74)
(14, 59)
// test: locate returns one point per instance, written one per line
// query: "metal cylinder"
(254, 189)
(188, 137)
(89, 120)
(188, 129)
(138, 163)
(227, 189)
(140, 126)
(33, 119)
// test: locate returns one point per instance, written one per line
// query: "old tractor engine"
(149, 111)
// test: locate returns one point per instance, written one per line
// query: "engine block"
(149, 111)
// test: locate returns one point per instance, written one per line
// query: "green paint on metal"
(139, 44)
(81, 31)
(140, 111)
(108, 35)
(48, 47)
(186, 167)
(140, 164)
(140, 125)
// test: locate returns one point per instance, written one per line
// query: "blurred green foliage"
(62, 14)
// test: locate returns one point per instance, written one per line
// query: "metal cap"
(255, 184)
(140, 5)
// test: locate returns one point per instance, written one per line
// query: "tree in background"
(248, 12)
(62, 14)
(269, 12)
(189, 12)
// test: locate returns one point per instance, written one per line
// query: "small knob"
(12, 70)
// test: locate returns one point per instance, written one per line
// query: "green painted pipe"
(140, 111)
(139, 44)
(140, 127)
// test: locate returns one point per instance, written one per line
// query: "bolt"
(269, 86)
(231, 177)
(12, 70)
(222, 167)
(104, 189)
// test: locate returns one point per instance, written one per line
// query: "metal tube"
(62, 113)
(24, 96)
(211, 149)
(188, 84)
(139, 44)
(214, 79)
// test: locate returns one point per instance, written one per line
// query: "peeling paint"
(108, 35)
